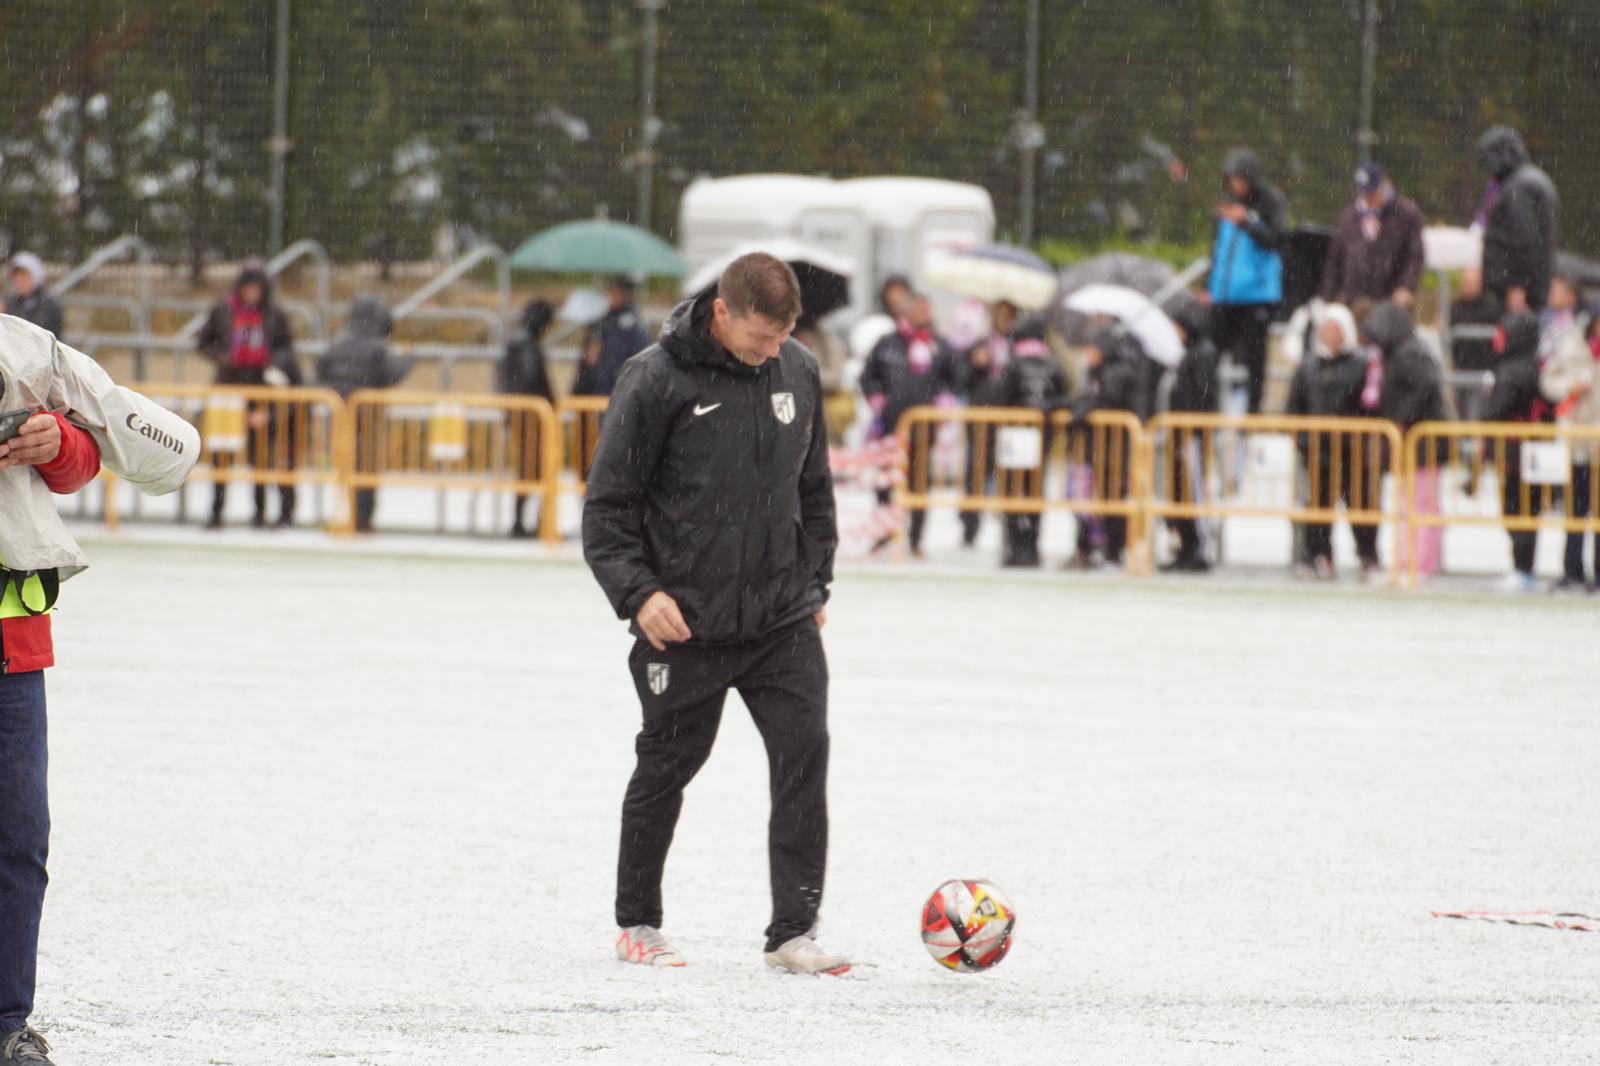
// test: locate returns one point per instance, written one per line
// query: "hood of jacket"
(30, 265)
(1501, 151)
(687, 336)
(255, 272)
(1243, 163)
(536, 317)
(1389, 326)
(1519, 336)
(369, 317)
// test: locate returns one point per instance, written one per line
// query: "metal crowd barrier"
(1001, 460)
(257, 434)
(1198, 471)
(1522, 477)
(453, 441)
(580, 436)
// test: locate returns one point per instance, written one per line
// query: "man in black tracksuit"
(709, 523)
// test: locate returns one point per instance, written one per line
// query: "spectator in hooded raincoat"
(247, 336)
(523, 372)
(1116, 381)
(1519, 219)
(1411, 391)
(1514, 396)
(1328, 384)
(1246, 283)
(1194, 390)
(28, 299)
(911, 367)
(360, 359)
(1376, 253)
(1032, 380)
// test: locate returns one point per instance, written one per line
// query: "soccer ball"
(966, 925)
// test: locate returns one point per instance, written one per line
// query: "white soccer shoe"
(646, 946)
(802, 954)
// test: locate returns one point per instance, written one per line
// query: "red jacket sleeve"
(76, 464)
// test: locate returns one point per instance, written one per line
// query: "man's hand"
(821, 618)
(1405, 298)
(662, 622)
(37, 443)
(1516, 300)
(1235, 213)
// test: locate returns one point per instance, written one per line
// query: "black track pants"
(783, 679)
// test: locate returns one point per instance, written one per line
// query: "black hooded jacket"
(888, 373)
(360, 358)
(1412, 381)
(1194, 385)
(1413, 389)
(1515, 395)
(1119, 383)
(522, 369)
(38, 307)
(711, 482)
(215, 340)
(1268, 218)
(1519, 235)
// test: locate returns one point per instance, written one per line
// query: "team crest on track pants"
(783, 679)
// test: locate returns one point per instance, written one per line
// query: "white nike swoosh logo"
(705, 410)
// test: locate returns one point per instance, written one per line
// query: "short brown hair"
(762, 284)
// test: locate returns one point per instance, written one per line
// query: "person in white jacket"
(1568, 381)
(72, 419)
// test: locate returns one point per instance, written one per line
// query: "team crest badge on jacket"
(657, 676)
(783, 406)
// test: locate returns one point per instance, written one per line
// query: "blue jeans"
(24, 841)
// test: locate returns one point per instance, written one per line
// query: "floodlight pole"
(278, 146)
(1030, 105)
(1366, 136)
(648, 123)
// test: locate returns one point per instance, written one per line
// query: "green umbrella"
(596, 246)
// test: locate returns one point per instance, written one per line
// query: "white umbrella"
(993, 272)
(1138, 314)
(583, 307)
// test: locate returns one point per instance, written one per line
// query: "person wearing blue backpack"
(1246, 267)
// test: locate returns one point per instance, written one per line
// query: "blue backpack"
(1242, 271)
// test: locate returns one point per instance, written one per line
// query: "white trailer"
(885, 225)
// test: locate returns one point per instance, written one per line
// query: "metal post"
(1366, 136)
(648, 123)
(279, 145)
(1030, 135)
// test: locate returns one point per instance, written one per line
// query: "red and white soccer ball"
(967, 925)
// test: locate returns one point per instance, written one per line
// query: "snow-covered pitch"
(358, 808)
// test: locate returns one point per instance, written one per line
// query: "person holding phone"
(1246, 283)
(45, 451)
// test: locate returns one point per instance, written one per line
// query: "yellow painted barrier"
(1542, 476)
(258, 434)
(1002, 459)
(580, 436)
(486, 443)
(1343, 459)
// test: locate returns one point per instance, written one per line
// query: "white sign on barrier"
(1546, 462)
(1019, 448)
